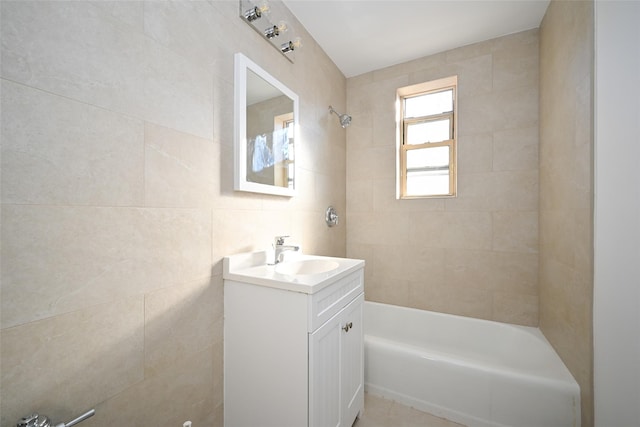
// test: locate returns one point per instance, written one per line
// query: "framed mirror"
(266, 123)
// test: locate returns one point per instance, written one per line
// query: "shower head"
(345, 119)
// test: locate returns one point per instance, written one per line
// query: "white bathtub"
(475, 372)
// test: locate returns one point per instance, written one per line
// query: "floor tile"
(379, 412)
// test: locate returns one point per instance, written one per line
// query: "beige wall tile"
(515, 60)
(453, 254)
(360, 195)
(181, 321)
(66, 364)
(515, 108)
(183, 391)
(515, 232)
(474, 76)
(496, 191)
(566, 189)
(423, 264)
(394, 292)
(448, 298)
(360, 132)
(470, 51)
(515, 149)
(180, 169)
(60, 259)
(379, 229)
(181, 27)
(475, 115)
(465, 230)
(114, 67)
(371, 163)
(493, 271)
(364, 252)
(384, 129)
(88, 82)
(515, 308)
(59, 151)
(475, 152)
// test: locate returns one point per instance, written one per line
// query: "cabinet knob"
(347, 326)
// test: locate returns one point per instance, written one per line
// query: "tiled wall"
(474, 255)
(566, 189)
(117, 202)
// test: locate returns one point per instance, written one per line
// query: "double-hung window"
(427, 139)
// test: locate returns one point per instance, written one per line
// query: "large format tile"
(111, 65)
(180, 321)
(187, 390)
(493, 271)
(451, 229)
(65, 364)
(181, 170)
(58, 151)
(515, 231)
(515, 149)
(59, 259)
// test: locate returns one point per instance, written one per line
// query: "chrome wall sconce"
(276, 30)
(256, 12)
(257, 16)
(291, 45)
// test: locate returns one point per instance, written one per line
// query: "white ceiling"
(365, 35)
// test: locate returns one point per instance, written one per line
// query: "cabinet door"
(324, 374)
(352, 357)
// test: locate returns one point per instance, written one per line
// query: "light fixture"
(256, 12)
(291, 45)
(345, 119)
(267, 19)
(276, 30)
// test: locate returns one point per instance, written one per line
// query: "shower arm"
(345, 119)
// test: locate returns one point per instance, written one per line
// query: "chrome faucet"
(281, 248)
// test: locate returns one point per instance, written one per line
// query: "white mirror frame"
(241, 65)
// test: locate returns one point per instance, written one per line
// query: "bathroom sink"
(300, 272)
(306, 266)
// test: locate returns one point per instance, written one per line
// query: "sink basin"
(303, 273)
(306, 267)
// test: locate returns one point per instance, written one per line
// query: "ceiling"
(366, 35)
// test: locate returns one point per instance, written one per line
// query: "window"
(283, 163)
(427, 139)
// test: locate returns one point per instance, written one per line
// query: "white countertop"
(251, 267)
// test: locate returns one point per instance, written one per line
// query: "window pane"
(428, 158)
(425, 184)
(428, 171)
(429, 104)
(431, 131)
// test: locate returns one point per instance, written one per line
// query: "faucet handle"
(280, 240)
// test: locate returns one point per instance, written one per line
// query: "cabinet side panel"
(265, 356)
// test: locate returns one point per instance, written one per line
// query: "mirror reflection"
(270, 134)
(266, 117)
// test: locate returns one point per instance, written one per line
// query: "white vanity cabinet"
(294, 358)
(335, 368)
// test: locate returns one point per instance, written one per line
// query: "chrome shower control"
(331, 216)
